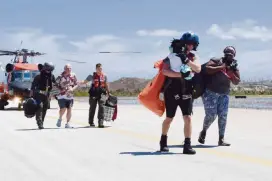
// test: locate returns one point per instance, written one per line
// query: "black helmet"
(40, 67)
(30, 107)
(48, 66)
(9, 67)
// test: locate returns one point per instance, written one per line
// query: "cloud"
(253, 63)
(247, 30)
(60, 47)
(158, 32)
(256, 64)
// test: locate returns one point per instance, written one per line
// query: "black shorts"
(65, 103)
(172, 101)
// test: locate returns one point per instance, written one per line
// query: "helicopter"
(19, 75)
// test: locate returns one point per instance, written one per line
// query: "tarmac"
(127, 149)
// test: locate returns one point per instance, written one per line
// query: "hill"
(131, 86)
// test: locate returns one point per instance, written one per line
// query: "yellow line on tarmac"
(222, 154)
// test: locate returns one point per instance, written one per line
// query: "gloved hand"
(183, 57)
(185, 74)
(234, 65)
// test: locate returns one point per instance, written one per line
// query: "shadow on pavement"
(193, 146)
(34, 129)
(148, 153)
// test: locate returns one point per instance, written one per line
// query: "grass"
(122, 93)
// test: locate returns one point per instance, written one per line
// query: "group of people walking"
(66, 83)
(179, 68)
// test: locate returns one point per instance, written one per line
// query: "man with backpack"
(98, 89)
(40, 91)
(219, 74)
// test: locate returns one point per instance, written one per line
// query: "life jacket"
(98, 85)
(98, 80)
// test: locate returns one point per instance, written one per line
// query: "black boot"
(221, 142)
(202, 136)
(163, 144)
(92, 123)
(40, 125)
(100, 123)
(187, 148)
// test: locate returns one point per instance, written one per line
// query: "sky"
(78, 30)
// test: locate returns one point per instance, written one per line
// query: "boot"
(92, 123)
(100, 123)
(202, 136)
(221, 142)
(40, 125)
(163, 144)
(187, 148)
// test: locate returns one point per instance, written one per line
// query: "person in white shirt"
(66, 83)
(179, 68)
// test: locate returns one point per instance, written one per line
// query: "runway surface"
(126, 150)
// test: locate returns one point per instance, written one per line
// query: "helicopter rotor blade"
(73, 61)
(6, 51)
(3, 54)
(118, 52)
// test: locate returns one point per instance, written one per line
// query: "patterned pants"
(215, 105)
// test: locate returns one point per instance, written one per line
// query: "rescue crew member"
(40, 90)
(66, 83)
(221, 72)
(99, 86)
(178, 87)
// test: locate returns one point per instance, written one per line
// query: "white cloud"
(248, 30)
(158, 32)
(253, 64)
(59, 47)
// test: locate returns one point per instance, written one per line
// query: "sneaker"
(59, 123)
(67, 125)
(222, 142)
(202, 136)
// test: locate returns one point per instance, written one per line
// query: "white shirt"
(175, 62)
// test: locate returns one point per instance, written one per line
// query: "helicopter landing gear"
(20, 105)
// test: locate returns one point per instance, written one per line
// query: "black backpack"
(199, 82)
(30, 107)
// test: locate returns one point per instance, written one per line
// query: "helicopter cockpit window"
(27, 75)
(34, 73)
(17, 76)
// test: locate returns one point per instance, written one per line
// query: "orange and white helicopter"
(19, 75)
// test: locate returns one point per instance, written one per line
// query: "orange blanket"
(149, 96)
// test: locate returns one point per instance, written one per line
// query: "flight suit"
(41, 87)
